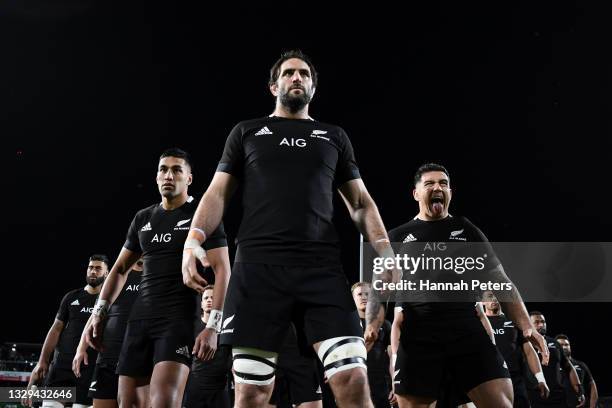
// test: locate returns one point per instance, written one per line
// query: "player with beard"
(379, 356)
(558, 367)
(584, 374)
(207, 383)
(440, 339)
(511, 344)
(105, 382)
(287, 267)
(157, 346)
(64, 335)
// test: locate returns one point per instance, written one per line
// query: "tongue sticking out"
(437, 208)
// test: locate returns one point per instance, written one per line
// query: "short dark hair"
(562, 337)
(100, 258)
(535, 312)
(426, 168)
(178, 153)
(275, 70)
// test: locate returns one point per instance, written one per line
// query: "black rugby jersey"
(74, 311)
(160, 235)
(509, 341)
(117, 319)
(458, 318)
(288, 170)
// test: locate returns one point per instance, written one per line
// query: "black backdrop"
(514, 100)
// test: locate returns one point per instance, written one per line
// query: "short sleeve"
(62, 313)
(132, 242)
(346, 168)
(232, 160)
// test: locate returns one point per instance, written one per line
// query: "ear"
(415, 195)
(274, 89)
(190, 180)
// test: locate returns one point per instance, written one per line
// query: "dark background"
(514, 100)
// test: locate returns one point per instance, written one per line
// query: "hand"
(581, 401)
(38, 374)
(392, 398)
(538, 342)
(94, 333)
(80, 357)
(544, 391)
(191, 277)
(205, 344)
(370, 336)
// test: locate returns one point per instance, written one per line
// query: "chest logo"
(147, 227)
(162, 237)
(291, 142)
(264, 131)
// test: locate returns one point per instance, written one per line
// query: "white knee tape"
(52, 404)
(81, 406)
(253, 366)
(342, 353)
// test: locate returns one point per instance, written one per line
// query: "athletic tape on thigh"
(342, 353)
(253, 366)
(52, 404)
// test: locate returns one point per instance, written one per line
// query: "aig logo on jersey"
(292, 142)
(87, 310)
(167, 237)
(132, 288)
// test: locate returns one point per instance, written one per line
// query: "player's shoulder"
(249, 124)
(397, 234)
(145, 213)
(471, 230)
(74, 293)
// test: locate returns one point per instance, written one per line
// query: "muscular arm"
(398, 319)
(51, 340)
(485, 321)
(219, 262)
(210, 210)
(118, 274)
(365, 216)
(532, 358)
(594, 395)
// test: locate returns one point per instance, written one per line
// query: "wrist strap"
(214, 320)
(540, 377)
(101, 308)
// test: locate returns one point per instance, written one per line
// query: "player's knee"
(164, 396)
(341, 354)
(253, 366)
(250, 395)
(354, 379)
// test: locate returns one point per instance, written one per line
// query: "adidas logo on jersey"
(410, 238)
(147, 227)
(75, 303)
(184, 351)
(264, 131)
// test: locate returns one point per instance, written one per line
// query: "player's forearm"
(395, 337)
(219, 262)
(50, 343)
(375, 314)
(574, 380)
(594, 395)
(532, 358)
(113, 284)
(83, 341)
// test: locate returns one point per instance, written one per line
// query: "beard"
(95, 282)
(295, 103)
